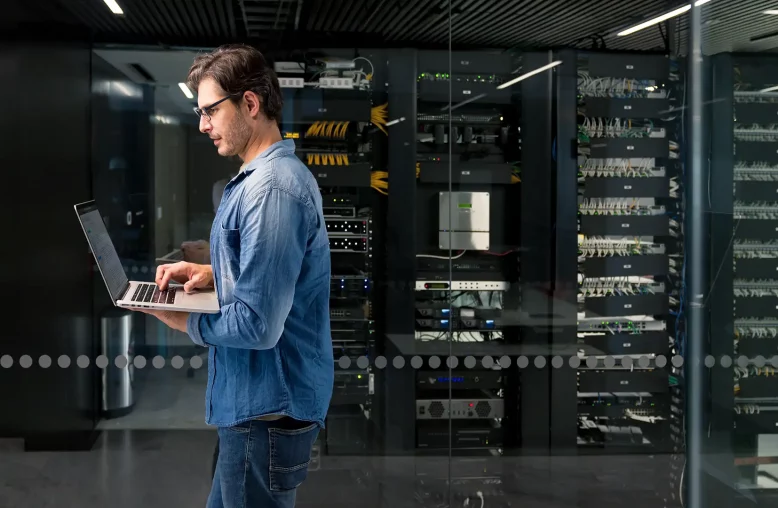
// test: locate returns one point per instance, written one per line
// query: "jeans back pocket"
(290, 455)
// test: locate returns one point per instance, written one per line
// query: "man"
(270, 363)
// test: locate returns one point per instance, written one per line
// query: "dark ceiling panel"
(729, 24)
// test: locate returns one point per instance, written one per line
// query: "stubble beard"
(237, 137)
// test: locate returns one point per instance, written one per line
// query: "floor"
(164, 468)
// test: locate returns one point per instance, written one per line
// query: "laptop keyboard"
(149, 293)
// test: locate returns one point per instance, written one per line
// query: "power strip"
(291, 82)
(336, 83)
(462, 285)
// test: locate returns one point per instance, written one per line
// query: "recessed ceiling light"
(186, 90)
(659, 19)
(113, 6)
(771, 11)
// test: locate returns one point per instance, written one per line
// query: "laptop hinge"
(126, 291)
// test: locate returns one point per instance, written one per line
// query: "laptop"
(134, 294)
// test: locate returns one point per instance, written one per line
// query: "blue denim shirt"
(270, 343)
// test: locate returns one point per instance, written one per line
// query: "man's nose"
(205, 125)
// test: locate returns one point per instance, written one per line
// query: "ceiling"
(286, 24)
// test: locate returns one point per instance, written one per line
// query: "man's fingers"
(160, 272)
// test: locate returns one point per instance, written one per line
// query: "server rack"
(630, 259)
(336, 120)
(743, 419)
(465, 150)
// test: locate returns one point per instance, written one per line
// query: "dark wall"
(45, 152)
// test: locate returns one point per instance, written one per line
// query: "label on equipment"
(465, 92)
(625, 225)
(630, 67)
(624, 382)
(630, 147)
(627, 267)
(627, 305)
(627, 187)
(627, 344)
(627, 107)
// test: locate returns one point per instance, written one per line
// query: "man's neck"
(262, 142)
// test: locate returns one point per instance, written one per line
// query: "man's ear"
(253, 103)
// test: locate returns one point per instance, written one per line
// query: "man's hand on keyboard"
(191, 275)
(197, 252)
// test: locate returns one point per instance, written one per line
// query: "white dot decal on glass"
(470, 362)
(144, 269)
(44, 361)
(487, 362)
(774, 361)
(380, 362)
(363, 362)
(398, 362)
(626, 362)
(591, 362)
(417, 362)
(609, 362)
(522, 362)
(574, 362)
(742, 361)
(505, 361)
(661, 361)
(677, 361)
(135, 269)
(726, 361)
(452, 362)
(760, 361)
(63, 361)
(557, 362)
(196, 362)
(643, 361)
(158, 362)
(120, 361)
(6, 362)
(344, 362)
(25, 361)
(434, 362)
(82, 361)
(177, 362)
(101, 362)
(540, 362)
(139, 362)
(710, 362)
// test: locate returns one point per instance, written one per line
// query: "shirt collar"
(277, 149)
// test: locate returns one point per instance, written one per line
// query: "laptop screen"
(102, 248)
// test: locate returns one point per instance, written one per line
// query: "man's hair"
(238, 68)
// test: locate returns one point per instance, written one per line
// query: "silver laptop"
(133, 294)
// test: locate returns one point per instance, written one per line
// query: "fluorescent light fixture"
(659, 19)
(773, 12)
(771, 89)
(113, 6)
(186, 90)
(530, 73)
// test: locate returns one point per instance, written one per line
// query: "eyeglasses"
(206, 110)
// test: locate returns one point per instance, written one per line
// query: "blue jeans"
(261, 463)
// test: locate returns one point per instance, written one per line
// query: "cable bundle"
(327, 159)
(379, 115)
(335, 130)
(378, 183)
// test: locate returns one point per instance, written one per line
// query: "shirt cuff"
(193, 329)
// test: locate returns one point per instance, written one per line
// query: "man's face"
(225, 123)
